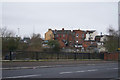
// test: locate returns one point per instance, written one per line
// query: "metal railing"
(36, 55)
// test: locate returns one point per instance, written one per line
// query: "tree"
(9, 42)
(112, 41)
(35, 43)
(4, 32)
(54, 45)
(22, 45)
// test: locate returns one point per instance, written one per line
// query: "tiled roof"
(90, 31)
(61, 31)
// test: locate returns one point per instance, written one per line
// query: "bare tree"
(35, 43)
(9, 41)
(112, 41)
(4, 32)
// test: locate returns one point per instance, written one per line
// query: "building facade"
(65, 37)
(80, 40)
(49, 35)
(90, 35)
(100, 39)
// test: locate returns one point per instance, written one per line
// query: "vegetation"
(11, 43)
(54, 45)
(35, 43)
(112, 41)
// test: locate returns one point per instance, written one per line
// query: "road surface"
(102, 70)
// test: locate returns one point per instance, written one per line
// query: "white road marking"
(90, 64)
(16, 68)
(34, 67)
(92, 70)
(64, 72)
(80, 71)
(24, 76)
(111, 68)
(45, 66)
(115, 68)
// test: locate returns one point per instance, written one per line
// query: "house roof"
(78, 30)
(61, 31)
(90, 31)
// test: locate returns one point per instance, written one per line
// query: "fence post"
(10, 55)
(82, 56)
(57, 55)
(37, 56)
(75, 57)
(88, 55)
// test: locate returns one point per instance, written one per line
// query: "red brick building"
(73, 39)
(79, 37)
(65, 37)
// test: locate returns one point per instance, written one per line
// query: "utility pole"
(18, 32)
(119, 30)
(100, 38)
(33, 29)
(118, 38)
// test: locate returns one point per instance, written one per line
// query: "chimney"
(55, 30)
(49, 29)
(101, 33)
(63, 29)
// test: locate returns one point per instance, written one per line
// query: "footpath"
(10, 65)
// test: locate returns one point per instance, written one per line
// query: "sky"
(38, 17)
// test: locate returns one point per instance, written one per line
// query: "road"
(102, 70)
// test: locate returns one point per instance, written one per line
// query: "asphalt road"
(102, 70)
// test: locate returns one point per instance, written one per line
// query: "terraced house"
(80, 40)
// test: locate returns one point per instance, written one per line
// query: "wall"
(92, 35)
(49, 35)
(79, 38)
(111, 56)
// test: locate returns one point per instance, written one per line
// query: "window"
(57, 35)
(91, 42)
(76, 41)
(77, 35)
(63, 35)
(63, 40)
(60, 36)
(82, 35)
(86, 43)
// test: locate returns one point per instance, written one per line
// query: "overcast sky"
(38, 17)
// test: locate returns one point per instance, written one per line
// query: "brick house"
(79, 38)
(73, 39)
(49, 35)
(65, 37)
